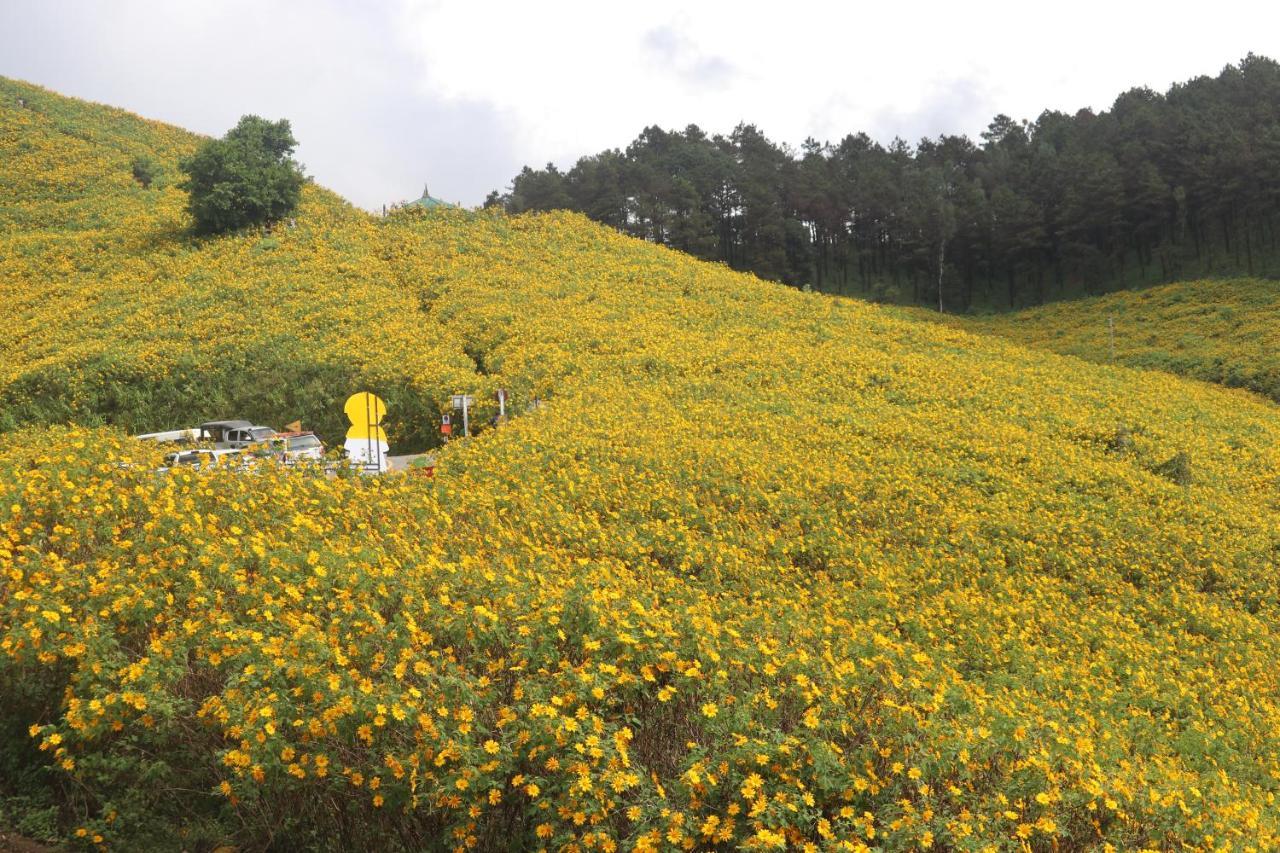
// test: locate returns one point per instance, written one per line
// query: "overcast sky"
(386, 96)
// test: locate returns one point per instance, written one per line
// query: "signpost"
(464, 401)
(502, 405)
(366, 441)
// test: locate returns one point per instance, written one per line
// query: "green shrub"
(145, 170)
(1177, 468)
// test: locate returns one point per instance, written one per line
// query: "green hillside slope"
(1225, 331)
(119, 316)
(767, 569)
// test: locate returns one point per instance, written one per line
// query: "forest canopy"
(1159, 187)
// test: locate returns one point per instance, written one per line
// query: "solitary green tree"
(247, 177)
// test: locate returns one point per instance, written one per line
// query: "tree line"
(1160, 186)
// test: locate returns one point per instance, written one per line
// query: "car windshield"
(303, 442)
(260, 433)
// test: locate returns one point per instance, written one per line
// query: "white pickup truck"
(233, 435)
(223, 435)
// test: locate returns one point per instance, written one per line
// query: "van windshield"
(303, 442)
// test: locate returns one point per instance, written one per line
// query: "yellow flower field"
(1220, 331)
(768, 570)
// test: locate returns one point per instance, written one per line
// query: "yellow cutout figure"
(366, 441)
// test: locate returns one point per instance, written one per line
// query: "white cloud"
(672, 52)
(387, 95)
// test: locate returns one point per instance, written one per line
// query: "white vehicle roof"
(170, 435)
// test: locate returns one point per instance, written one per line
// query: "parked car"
(304, 445)
(290, 447)
(234, 434)
(201, 457)
(253, 443)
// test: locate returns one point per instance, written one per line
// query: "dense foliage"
(768, 568)
(1158, 187)
(248, 177)
(1219, 331)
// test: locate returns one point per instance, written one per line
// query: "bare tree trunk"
(942, 247)
(1248, 242)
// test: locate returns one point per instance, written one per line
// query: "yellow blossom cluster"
(768, 570)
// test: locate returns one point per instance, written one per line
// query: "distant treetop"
(1157, 188)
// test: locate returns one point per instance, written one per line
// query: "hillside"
(1220, 331)
(769, 568)
(120, 317)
